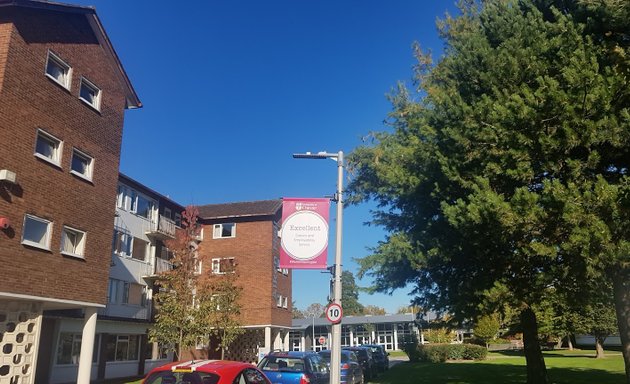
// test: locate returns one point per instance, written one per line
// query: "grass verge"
(563, 367)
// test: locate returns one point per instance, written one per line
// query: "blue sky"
(232, 88)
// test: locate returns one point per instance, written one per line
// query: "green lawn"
(563, 367)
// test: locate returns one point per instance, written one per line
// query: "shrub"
(410, 347)
(439, 336)
(475, 352)
(439, 353)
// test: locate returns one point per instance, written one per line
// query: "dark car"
(351, 370)
(366, 360)
(206, 372)
(295, 368)
(380, 355)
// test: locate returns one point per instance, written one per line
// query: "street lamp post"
(335, 346)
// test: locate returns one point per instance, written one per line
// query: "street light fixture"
(335, 346)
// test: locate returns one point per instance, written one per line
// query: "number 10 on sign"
(334, 313)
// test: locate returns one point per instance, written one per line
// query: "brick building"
(63, 93)
(145, 221)
(246, 233)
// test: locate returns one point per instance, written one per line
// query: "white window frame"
(216, 265)
(217, 231)
(31, 243)
(285, 301)
(55, 159)
(198, 266)
(96, 104)
(79, 247)
(89, 167)
(279, 301)
(64, 66)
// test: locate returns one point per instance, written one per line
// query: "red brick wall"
(30, 100)
(5, 35)
(253, 251)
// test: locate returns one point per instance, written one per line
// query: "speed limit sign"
(334, 313)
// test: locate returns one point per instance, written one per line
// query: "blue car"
(295, 368)
(351, 371)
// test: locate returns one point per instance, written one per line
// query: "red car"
(206, 372)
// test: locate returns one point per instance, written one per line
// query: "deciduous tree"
(182, 303)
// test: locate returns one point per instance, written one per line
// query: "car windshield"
(284, 364)
(168, 377)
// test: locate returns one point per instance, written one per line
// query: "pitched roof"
(240, 209)
(97, 27)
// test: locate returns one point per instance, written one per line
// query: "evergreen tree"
(511, 168)
(350, 294)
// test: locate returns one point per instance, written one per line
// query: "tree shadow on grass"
(485, 373)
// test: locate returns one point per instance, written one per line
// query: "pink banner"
(304, 233)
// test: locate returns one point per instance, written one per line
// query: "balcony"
(160, 266)
(125, 311)
(163, 229)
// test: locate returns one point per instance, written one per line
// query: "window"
(178, 219)
(58, 70)
(36, 232)
(132, 201)
(139, 249)
(118, 291)
(279, 301)
(144, 207)
(122, 347)
(224, 265)
(224, 230)
(69, 348)
(81, 164)
(137, 295)
(285, 302)
(72, 242)
(167, 213)
(122, 243)
(90, 94)
(48, 147)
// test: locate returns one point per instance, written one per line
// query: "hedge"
(439, 353)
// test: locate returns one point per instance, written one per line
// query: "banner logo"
(304, 233)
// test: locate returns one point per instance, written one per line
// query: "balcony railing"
(164, 228)
(127, 311)
(162, 265)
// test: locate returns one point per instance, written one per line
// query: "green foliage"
(224, 314)
(409, 344)
(350, 295)
(191, 306)
(439, 335)
(439, 353)
(180, 321)
(487, 327)
(510, 166)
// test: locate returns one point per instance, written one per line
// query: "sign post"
(334, 313)
(335, 344)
